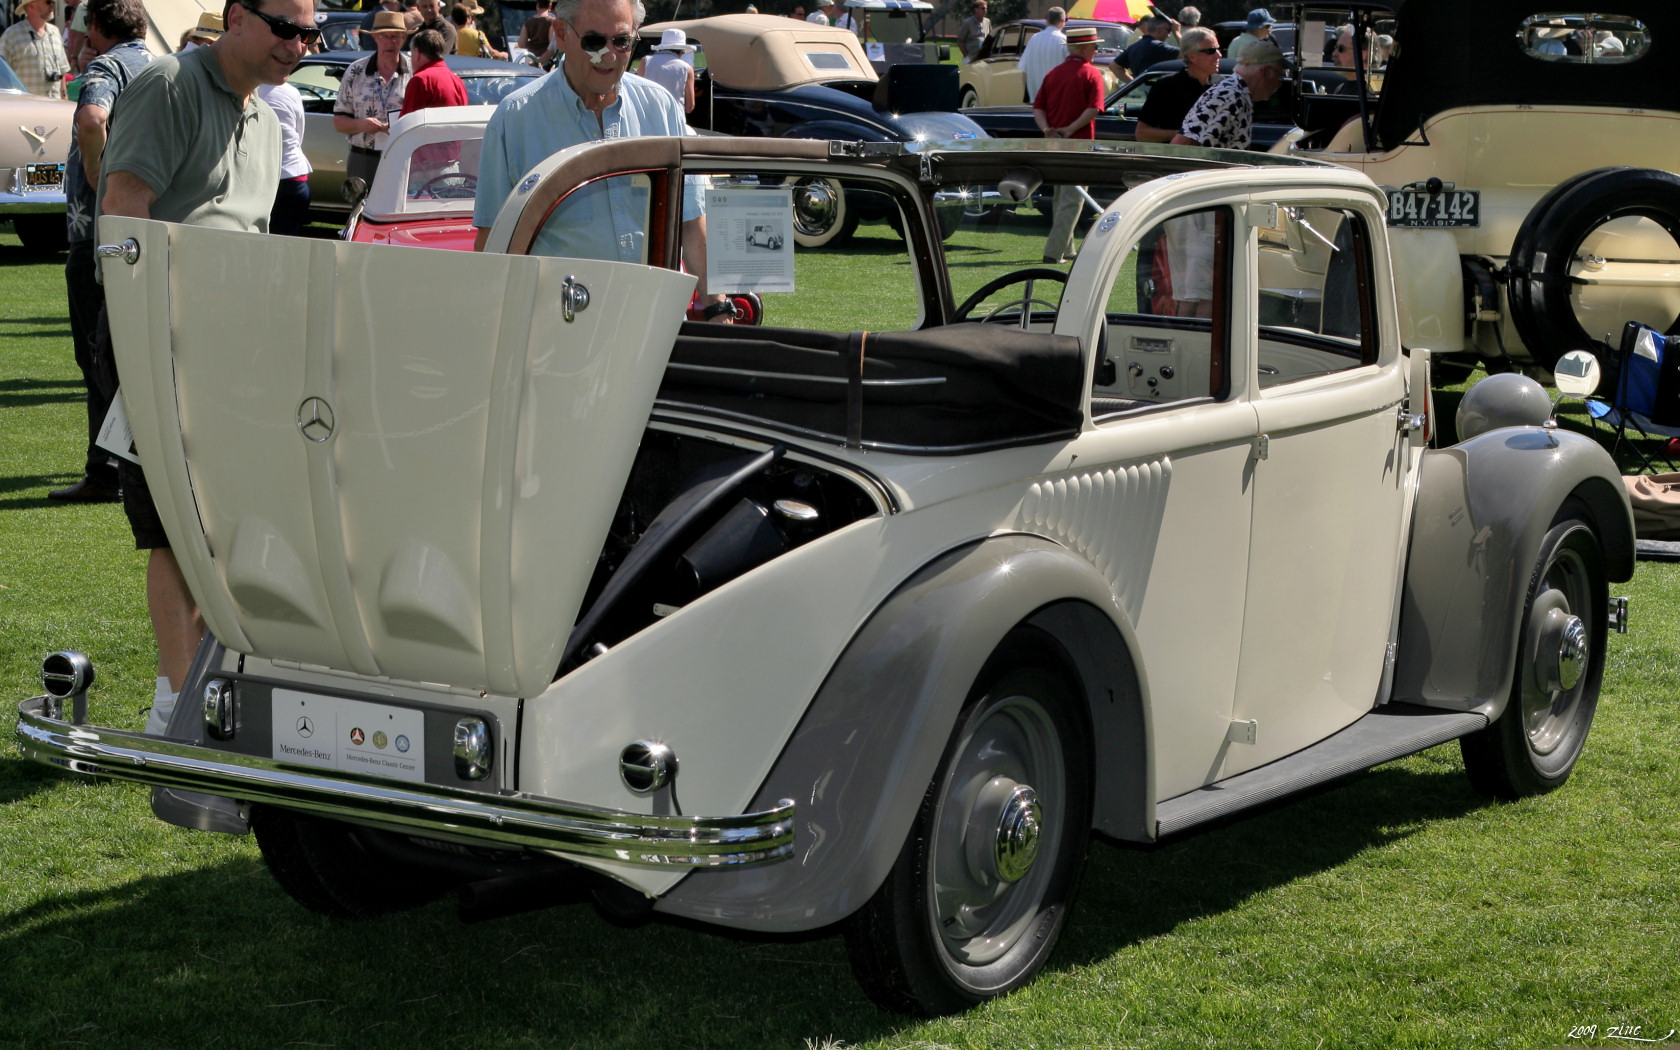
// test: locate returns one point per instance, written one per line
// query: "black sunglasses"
(599, 41)
(286, 29)
(1208, 50)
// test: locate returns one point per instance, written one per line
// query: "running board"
(1390, 732)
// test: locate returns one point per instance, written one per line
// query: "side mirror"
(1577, 373)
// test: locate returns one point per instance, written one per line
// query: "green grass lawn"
(1396, 910)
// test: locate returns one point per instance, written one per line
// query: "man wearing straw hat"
(206, 32)
(33, 49)
(1066, 104)
(370, 96)
(670, 67)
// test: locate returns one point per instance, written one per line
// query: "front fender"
(1482, 508)
(862, 757)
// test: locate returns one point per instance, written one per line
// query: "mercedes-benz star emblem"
(305, 727)
(315, 419)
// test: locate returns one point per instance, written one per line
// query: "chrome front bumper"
(506, 820)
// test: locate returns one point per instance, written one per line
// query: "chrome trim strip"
(838, 380)
(511, 820)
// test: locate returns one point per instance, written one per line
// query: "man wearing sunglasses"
(1170, 98)
(190, 142)
(587, 98)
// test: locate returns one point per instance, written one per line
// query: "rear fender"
(861, 759)
(1482, 508)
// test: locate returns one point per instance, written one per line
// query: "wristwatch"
(718, 309)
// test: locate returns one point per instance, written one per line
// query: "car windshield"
(445, 172)
(8, 79)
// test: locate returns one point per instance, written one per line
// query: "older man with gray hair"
(1224, 116)
(589, 97)
(1045, 51)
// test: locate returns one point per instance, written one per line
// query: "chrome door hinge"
(929, 173)
(1410, 422)
(1391, 652)
(1262, 446)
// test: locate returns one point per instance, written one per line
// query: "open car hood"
(389, 461)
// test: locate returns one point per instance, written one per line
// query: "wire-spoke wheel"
(978, 896)
(1532, 747)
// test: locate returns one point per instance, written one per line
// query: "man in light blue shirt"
(588, 98)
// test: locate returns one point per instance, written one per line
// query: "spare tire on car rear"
(1539, 285)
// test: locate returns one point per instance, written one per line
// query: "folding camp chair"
(1646, 399)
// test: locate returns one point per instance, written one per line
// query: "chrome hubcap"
(1559, 652)
(815, 207)
(997, 814)
(1003, 831)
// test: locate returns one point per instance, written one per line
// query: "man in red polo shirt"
(434, 84)
(1067, 103)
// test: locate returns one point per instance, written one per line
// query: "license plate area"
(1448, 209)
(348, 736)
(41, 177)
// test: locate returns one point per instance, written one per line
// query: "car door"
(1172, 423)
(1331, 473)
(357, 473)
(999, 77)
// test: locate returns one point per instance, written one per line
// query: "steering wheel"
(465, 185)
(1027, 275)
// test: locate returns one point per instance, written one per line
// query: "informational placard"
(876, 51)
(114, 435)
(749, 239)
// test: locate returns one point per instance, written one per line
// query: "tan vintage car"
(994, 78)
(32, 153)
(1532, 166)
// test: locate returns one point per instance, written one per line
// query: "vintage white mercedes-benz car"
(866, 617)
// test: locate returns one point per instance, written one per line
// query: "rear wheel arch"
(860, 761)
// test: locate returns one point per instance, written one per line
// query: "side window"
(831, 230)
(1008, 44)
(1168, 334)
(1315, 289)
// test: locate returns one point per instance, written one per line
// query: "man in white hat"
(371, 95)
(208, 30)
(588, 98)
(33, 49)
(820, 15)
(671, 68)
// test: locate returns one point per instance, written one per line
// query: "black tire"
(945, 931)
(1539, 298)
(1532, 746)
(822, 217)
(42, 234)
(335, 870)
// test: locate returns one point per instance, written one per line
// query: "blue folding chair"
(1646, 397)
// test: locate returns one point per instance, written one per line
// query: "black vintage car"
(762, 76)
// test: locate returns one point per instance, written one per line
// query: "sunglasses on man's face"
(1209, 50)
(596, 43)
(286, 29)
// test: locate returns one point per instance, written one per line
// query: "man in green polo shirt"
(191, 143)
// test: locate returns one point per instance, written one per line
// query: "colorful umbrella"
(1110, 10)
